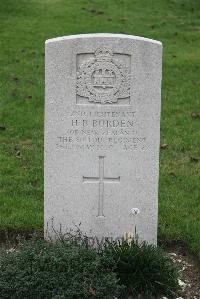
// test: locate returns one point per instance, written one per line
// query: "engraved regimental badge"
(104, 79)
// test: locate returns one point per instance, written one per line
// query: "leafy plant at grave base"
(61, 269)
(144, 269)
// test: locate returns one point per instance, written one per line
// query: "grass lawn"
(24, 27)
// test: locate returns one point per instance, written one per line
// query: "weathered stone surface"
(102, 124)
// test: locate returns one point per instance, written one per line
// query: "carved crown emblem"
(103, 79)
(103, 54)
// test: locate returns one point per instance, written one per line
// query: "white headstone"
(102, 133)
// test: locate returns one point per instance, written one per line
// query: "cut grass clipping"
(73, 269)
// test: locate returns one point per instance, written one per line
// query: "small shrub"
(144, 269)
(60, 269)
(71, 269)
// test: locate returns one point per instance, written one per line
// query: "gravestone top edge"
(102, 35)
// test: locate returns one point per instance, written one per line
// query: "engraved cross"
(101, 179)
